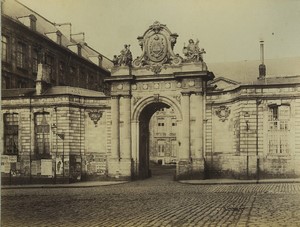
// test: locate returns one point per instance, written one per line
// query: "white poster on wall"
(46, 167)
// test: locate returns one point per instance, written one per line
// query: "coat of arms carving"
(157, 48)
(157, 45)
(223, 112)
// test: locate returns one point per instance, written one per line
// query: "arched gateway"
(157, 79)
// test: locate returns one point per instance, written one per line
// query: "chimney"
(32, 22)
(100, 60)
(262, 67)
(79, 47)
(58, 37)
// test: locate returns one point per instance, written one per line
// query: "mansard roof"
(18, 12)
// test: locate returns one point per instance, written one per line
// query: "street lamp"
(246, 115)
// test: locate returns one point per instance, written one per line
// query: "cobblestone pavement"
(157, 201)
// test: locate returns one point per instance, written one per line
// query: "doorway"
(157, 140)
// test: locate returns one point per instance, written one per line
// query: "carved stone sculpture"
(125, 58)
(192, 51)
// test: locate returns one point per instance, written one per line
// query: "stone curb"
(74, 185)
(228, 182)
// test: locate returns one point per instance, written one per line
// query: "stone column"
(125, 165)
(185, 103)
(184, 152)
(198, 162)
(115, 134)
(134, 147)
(126, 143)
(113, 168)
(199, 125)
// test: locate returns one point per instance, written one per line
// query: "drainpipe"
(257, 158)
(247, 129)
(30, 119)
(56, 142)
(212, 140)
(204, 120)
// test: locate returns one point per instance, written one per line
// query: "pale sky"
(228, 30)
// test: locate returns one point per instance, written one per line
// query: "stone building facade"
(53, 90)
(58, 128)
(163, 137)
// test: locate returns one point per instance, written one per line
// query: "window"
(4, 48)
(21, 55)
(174, 148)
(42, 134)
(11, 132)
(174, 123)
(161, 147)
(279, 117)
(62, 73)
(34, 61)
(83, 78)
(49, 61)
(21, 84)
(72, 77)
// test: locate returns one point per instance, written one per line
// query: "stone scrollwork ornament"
(157, 45)
(223, 112)
(95, 116)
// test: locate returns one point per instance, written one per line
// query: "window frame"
(21, 55)
(40, 136)
(6, 48)
(14, 134)
(35, 60)
(278, 136)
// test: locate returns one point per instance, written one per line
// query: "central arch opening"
(158, 146)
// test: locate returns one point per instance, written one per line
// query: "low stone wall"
(243, 167)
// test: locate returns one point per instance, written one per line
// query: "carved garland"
(95, 116)
(223, 112)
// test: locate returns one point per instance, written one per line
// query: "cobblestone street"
(157, 201)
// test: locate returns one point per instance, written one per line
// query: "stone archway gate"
(158, 75)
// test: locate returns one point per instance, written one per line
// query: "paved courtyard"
(157, 201)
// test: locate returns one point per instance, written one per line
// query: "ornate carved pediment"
(157, 45)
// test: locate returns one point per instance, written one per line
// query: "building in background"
(71, 114)
(52, 82)
(163, 141)
(28, 39)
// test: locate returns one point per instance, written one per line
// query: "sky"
(228, 30)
